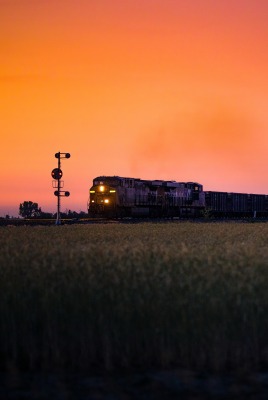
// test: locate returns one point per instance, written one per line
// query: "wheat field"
(110, 297)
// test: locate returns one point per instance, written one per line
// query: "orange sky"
(157, 89)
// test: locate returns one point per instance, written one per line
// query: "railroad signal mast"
(58, 184)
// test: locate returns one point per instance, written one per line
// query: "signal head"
(56, 173)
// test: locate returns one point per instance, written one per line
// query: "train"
(120, 197)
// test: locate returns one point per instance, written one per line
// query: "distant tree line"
(29, 209)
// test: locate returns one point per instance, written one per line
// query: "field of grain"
(109, 297)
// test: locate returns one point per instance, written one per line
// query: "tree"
(29, 209)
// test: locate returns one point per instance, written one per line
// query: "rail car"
(119, 197)
(223, 204)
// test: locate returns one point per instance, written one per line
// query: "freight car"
(118, 197)
(223, 204)
(129, 197)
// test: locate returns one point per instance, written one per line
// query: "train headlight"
(101, 188)
(106, 201)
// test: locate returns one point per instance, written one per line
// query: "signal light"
(66, 155)
(56, 173)
(61, 193)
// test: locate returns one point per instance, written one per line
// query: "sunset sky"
(153, 89)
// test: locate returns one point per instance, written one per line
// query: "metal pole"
(57, 174)
(58, 221)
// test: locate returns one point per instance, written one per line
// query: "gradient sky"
(153, 89)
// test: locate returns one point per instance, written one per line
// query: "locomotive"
(119, 197)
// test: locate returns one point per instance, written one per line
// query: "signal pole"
(57, 183)
(58, 221)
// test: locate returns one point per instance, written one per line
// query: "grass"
(123, 297)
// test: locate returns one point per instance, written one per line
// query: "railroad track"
(83, 221)
(52, 221)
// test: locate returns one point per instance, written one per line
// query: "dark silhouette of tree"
(29, 209)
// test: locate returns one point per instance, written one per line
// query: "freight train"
(119, 197)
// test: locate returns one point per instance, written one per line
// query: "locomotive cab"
(102, 200)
